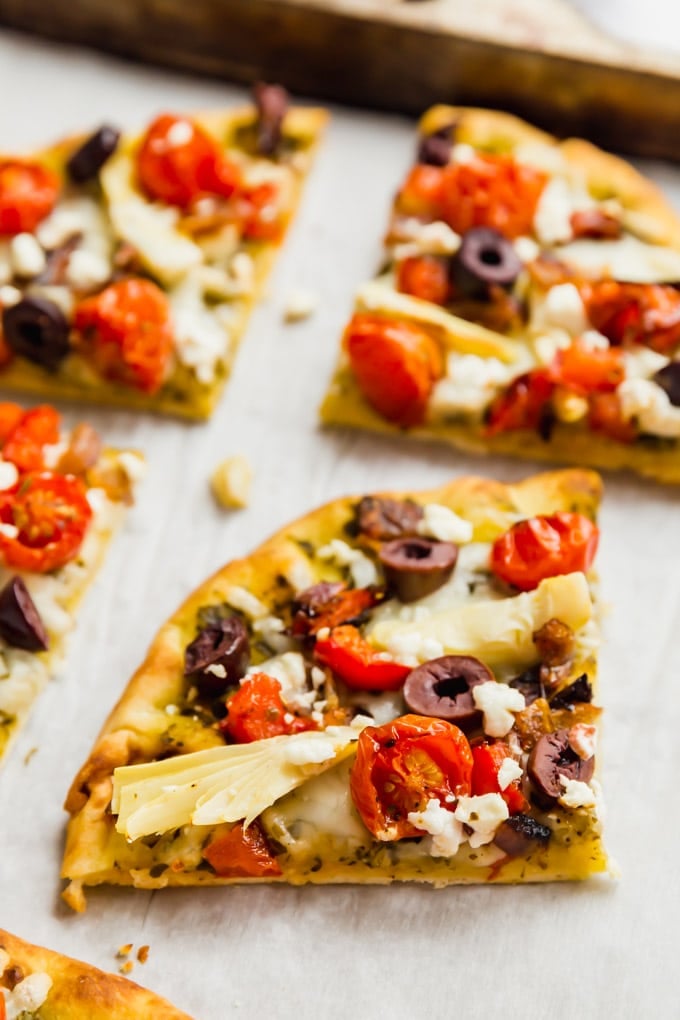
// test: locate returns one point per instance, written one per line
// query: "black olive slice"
(86, 162)
(415, 567)
(384, 519)
(271, 102)
(36, 329)
(517, 835)
(580, 690)
(529, 684)
(485, 259)
(668, 378)
(20, 623)
(220, 648)
(443, 688)
(553, 757)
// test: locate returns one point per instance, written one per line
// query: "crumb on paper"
(29, 755)
(299, 305)
(126, 968)
(231, 481)
(125, 949)
(143, 954)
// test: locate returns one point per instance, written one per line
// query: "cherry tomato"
(425, 277)
(51, 514)
(339, 608)
(541, 547)
(487, 761)
(262, 221)
(256, 711)
(179, 162)
(242, 853)
(605, 416)
(524, 403)
(35, 429)
(357, 663)
(491, 191)
(640, 313)
(585, 370)
(396, 365)
(28, 193)
(595, 223)
(127, 331)
(10, 416)
(402, 765)
(421, 194)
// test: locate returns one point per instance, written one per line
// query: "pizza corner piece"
(42, 983)
(63, 495)
(129, 264)
(397, 687)
(527, 304)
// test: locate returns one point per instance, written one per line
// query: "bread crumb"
(231, 481)
(126, 967)
(300, 304)
(143, 954)
(125, 950)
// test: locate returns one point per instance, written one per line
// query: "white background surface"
(594, 950)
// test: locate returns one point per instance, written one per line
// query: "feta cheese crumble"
(442, 523)
(27, 996)
(576, 794)
(509, 772)
(498, 701)
(27, 257)
(446, 830)
(482, 814)
(650, 406)
(362, 570)
(300, 304)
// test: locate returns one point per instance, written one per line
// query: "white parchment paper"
(594, 950)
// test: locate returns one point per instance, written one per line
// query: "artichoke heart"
(499, 631)
(223, 784)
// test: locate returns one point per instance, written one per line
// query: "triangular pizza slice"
(528, 303)
(130, 263)
(395, 687)
(37, 982)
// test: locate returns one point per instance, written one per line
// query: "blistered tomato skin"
(28, 193)
(24, 444)
(349, 655)
(51, 514)
(241, 853)
(541, 547)
(488, 759)
(256, 711)
(127, 331)
(402, 765)
(178, 162)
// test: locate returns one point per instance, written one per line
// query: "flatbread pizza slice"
(63, 495)
(528, 304)
(37, 982)
(129, 263)
(394, 687)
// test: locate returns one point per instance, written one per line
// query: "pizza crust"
(82, 992)
(183, 395)
(135, 730)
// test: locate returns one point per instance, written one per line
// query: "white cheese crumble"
(27, 257)
(576, 794)
(497, 702)
(311, 752)
(446, 830)
(240, 598)
(526, 248)
(547, 345)
(9, 474)
(435, 238)
(299, 305)
(412, 649)
(650, 406)
(8, 530)
(444, 524)
(470, 383)
(180, 133)
(509, 772)
(87, 270)
(290, 670)
(28, 996)
(642, 362)
(133, 465)
(200, 338)
(583, 740)
(563, 309)
(362, 570)
(594, 341)
(552, 219)
(461, 152)
(9, 295)
(483, 815)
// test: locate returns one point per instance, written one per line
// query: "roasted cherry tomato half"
(358, 665)
(127, 331)
(242, 853)
(24, 445)
(630, 313)
(179, 162)
(51, 514)
(524, 403)
(10, 416)
(28, 192)
(256, 711)
(541, 547)
(605, 415)
(396, 365)
(488, 759)
(425, 277)
(586, 370)
(402, 765)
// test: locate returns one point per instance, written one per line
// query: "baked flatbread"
(39, 982)
(527, 304)
(151, 264)
(240, 750)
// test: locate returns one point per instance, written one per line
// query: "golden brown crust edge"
(83, 992)
(123, 739)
